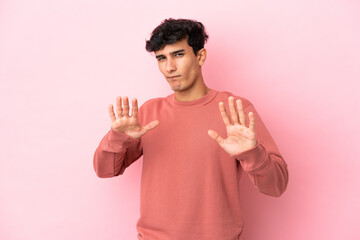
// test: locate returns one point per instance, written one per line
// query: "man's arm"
(121, 146)
(253, 147)
(263, 163)
(116, 152)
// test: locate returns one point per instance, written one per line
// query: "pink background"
(63, 62)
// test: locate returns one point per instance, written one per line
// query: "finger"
(251, 122)
(241, 111)
(111, 113)
(126, 106)
(149, 126)
(233, 112)
(134, 108)
(119, 110)
(224, 114)
(214, 135)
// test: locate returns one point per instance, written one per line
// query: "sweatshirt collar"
(195, 103)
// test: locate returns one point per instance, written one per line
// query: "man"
(195, 145)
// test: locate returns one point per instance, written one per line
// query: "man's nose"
(170, 65)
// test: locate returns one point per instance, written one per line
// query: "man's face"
(179, 65)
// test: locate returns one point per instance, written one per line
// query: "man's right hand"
(124, 123)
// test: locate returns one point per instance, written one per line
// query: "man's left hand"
(239, 137)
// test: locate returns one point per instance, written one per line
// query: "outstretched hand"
(239, 137)
(125, 123)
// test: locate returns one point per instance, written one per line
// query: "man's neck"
(191, 95)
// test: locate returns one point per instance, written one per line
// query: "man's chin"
(176, 87)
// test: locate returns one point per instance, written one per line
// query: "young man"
(195, 145)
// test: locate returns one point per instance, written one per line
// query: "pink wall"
(63, 62)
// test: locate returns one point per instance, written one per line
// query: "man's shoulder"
(224, 95)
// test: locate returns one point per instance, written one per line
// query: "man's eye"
(160, 58)
(179, 54)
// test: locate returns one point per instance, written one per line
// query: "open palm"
(239, 137)
(125, 123)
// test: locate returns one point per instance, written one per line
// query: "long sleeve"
(263, 163)
(115, 153)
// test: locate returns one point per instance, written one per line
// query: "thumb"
(149, 126)
(214, 135)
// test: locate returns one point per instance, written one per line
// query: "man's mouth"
(173, 77)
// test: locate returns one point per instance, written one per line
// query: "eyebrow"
(172, 53)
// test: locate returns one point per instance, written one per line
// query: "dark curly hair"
(173, 30)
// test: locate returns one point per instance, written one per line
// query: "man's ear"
(201, 56)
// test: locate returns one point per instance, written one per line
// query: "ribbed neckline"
(195, 103)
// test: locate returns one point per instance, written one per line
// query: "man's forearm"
(115, 152)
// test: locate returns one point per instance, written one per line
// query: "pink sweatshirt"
(189, 185)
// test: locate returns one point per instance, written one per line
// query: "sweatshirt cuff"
(119, 140)
(117, 136)
(252, 158)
